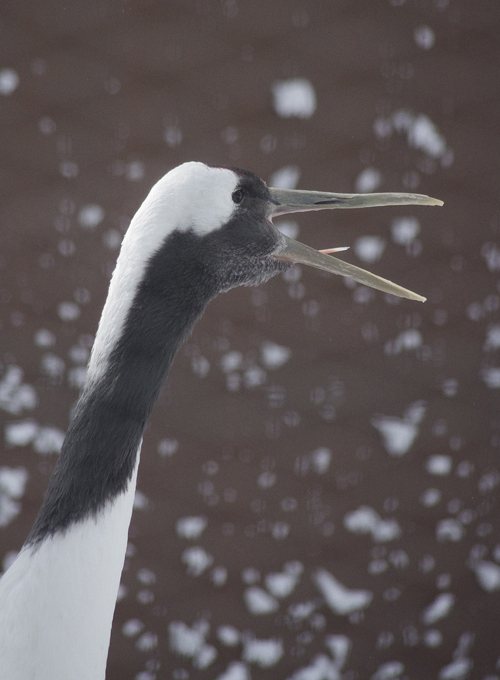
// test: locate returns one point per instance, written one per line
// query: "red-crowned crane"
(201, 231)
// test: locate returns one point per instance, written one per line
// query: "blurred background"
(318, 493)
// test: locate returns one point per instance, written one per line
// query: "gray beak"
(285, 201)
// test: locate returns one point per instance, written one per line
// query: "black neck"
(101, 446)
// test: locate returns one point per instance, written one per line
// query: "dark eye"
(237, 196)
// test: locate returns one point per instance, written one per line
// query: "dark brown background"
(100, 83)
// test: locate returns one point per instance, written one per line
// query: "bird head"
(221, 219)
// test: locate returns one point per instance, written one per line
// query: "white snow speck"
(66, 247)
(488, 481)
(430, 497)
(48, 440)
(399, 559)
(281, 584)
(200, 366)
(339, 646)
(340, 599)
(378, 566)
(69, 169)
(146, 675)
(273, 355)
(369, 248)
(135, 171)
(79, 354)
(76, 376)
(16, 396)
(404, 230)
(263, 653)
(440, 608)
(294, 97)
(280, 530)
(228, 635)
(456, 670)
(21, 433)
(191, 527)
(52, 366)
(449, 529)
(132, 627)
(439, 465)
(318, 460)
(235, 671)
(450, 387)
(321, 668)
(44, 439)
(368, 180)
(13, 481)
(185, 640)
(231, 361)
(68, 311)
(112, 239)
(9, 81)
(259, 601)
(146, 576)
(297, 568)
(141, 501)
(44, 338)
(491, 377)
(167, 447)
(285, 178)
(362, 294)
(301, 610)
(488, 575)
(205, 656)
(12, 486)
(46, 125)
(397, 435)
(424, 135)
(420, 130)
(218, 576)
(424, 37)
(254, 376)
(407, 340)
(290, 229)
(388, 671)
(190, 642)
(173, 136)
(197, 560)
(492, 341)
(90, 216)
(321, 459)
(433, 637)
(250, 575)
(266, 479)
(491, 253)
(382, 128)
(415, 412)
(365, 520)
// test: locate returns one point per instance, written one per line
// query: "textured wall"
(338, 447)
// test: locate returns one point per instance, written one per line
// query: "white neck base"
(58, 600)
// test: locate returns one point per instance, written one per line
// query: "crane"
(201, 231)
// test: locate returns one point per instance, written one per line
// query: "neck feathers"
(127, 370)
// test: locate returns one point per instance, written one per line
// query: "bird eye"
(237, 196)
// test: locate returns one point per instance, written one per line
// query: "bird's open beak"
(285, 201)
